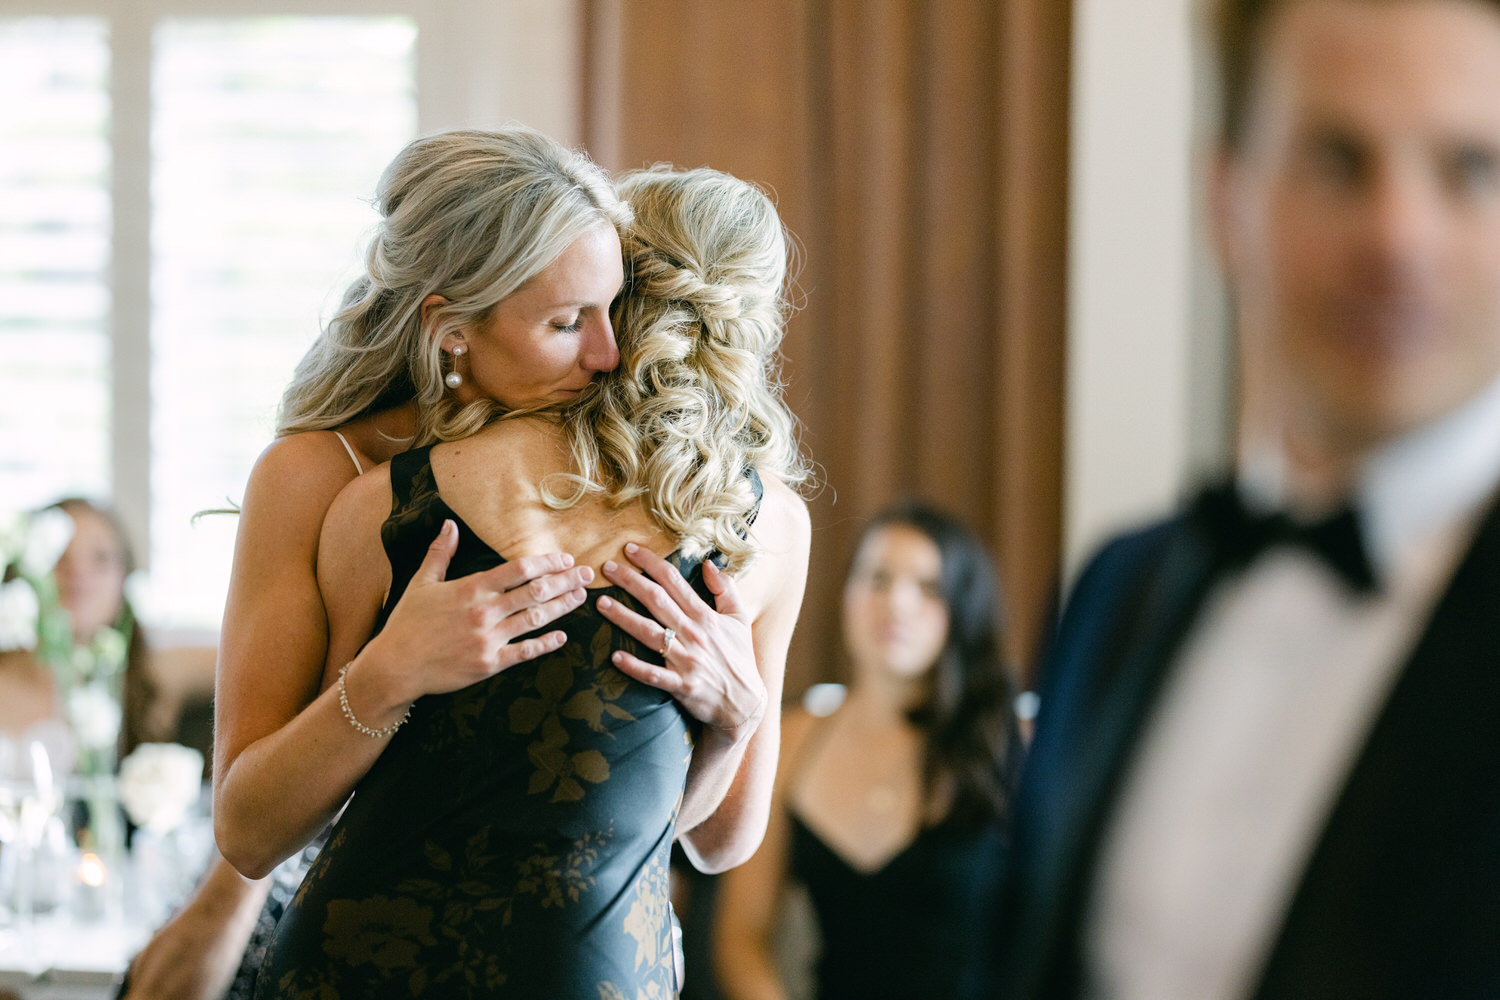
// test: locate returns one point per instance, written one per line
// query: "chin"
(906, 671)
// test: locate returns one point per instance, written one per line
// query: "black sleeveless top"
(922, 926)
(513, 838)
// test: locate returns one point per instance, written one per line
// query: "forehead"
(587, 272)
(900, 546)
(92, 530)
(1428, 67)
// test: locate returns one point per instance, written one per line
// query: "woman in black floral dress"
(470, 213)
(513, 837)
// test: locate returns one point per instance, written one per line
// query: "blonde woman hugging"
(512, 836)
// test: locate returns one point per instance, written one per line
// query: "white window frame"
(480, 63)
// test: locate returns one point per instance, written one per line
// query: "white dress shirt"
(1274, 693)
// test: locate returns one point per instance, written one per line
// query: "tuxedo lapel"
(1122, 630)
(1400, 894)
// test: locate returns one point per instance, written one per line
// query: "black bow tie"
(1241, 535)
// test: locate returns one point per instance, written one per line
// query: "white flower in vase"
(18, 615)
(47, 535)
(12, 535)
(159, 783)
(95, 716)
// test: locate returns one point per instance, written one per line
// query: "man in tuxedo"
(1267, 763)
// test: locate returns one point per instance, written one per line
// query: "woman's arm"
(286, 757)
(195, 955)
(726, 675)
(746, 912)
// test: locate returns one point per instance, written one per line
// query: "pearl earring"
(453, 379)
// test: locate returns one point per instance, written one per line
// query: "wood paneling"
(919, 152)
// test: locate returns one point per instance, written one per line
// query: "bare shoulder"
(316, 454)
(782, 532)
(300, 474)
(291, 487)
(783, 528)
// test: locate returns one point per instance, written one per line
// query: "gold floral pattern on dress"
(651, 991)
(380, 931)
(649, 921)
(558, 880)
(462, 887)
(556, 703)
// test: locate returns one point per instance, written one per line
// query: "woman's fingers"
(647, 631)
(435, 564)
(512, 653)
(726, 592)
(542, 590)
(710, 668)
(533, 575)
(665, 595)
(534, 616)
(647, 673)
(666, 576)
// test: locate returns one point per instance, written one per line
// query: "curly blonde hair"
(696, 399)
(469, 215)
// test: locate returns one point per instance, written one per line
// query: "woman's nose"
(600, 352)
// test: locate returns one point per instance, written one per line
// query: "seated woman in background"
(90, 577)
(512, 837)
(890, 810)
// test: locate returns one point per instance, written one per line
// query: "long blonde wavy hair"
(469, 215)
(697, 397)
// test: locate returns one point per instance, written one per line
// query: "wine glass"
(30, 797)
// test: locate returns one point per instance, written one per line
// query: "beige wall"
(1147, 394)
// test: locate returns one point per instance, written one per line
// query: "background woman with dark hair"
(890, 810)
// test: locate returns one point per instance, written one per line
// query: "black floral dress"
(513, 839)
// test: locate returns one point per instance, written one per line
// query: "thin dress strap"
(358, 469)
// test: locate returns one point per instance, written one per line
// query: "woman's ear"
(430, 305)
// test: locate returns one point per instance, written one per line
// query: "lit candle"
(91, 888)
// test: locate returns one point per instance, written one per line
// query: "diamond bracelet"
(349, 712)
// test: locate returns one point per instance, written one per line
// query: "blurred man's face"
(1360, 216)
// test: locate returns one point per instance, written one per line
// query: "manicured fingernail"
(586, 574)
(449, 527)
(610, 566)
(631, 547)
(605, 602)
(567, 560)
(617, 657)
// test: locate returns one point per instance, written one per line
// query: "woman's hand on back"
(710, 663)
(444, 635)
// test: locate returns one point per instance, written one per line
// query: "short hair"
(1238, 29)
